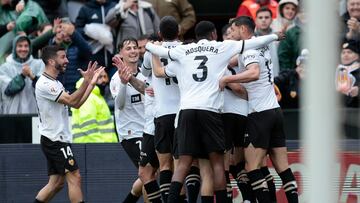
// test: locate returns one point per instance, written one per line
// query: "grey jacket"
(133, 24)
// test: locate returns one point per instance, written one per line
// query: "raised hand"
(90, 71)
(118, 63)
(125, 75)
(150, 91)
(56, 25)
(26, 71)
(281, 35)
(97, 73)
(222, 83)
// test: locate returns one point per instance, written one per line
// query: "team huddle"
(190, 116)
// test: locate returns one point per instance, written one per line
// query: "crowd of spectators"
(93, 29)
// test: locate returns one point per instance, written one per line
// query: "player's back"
(202, 66)
(167, 95)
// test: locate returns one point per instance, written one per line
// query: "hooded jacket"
(24, 101)
(280, 21)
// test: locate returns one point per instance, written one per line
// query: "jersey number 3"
(202, 67)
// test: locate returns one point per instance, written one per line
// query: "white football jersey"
(54, 117)
(130, 120)
(202, 65)
(167, 95)
(261, 93)
(233, 103)
(149, 127)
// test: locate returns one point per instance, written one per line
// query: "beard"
(60, 67)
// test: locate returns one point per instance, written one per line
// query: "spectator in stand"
(348, 73)
(135, 18)
(28, 16)
(286, 14)
(288, 82)
(53, 8)
(92, 122)
(181, 10)
(92, 25)
(7, 17)
(18, 77)
(263, 22)
(142, 40)
(249, 7)
(77, 50)
(290, 48)
(351, 19)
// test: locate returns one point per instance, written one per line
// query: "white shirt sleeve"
(259, 41)
(51, 91)
(118, 91)
(161, 51)
(236, 47)
(250, 56)
(146, 66)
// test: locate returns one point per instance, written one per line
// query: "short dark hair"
(123, 42)
(142, 37)
(50, 52)
(224, 29)
(263, 9)
(169, 28)
(203, 29)
(244, 20)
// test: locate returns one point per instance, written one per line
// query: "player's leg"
(164, 136)
(278, 155)
(213, 140)
(55, 184)
(73, 180)
(207, 181)
(60, 159)
(132, 148)
(177, 181)
(148, 166)
(188, 146)
(193, 182)
(280, 161)
(269, 180)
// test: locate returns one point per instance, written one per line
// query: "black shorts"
(164, 133)
(148, 154)
(265, 129)
(234, 128)
(60, 158)
(132, 148)
(175, 151)
(200, 132)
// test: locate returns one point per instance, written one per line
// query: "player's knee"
(144, 174)
(59, 185)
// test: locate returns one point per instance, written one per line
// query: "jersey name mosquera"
(201, 49)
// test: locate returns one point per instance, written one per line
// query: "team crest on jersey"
(71, 162)
(52, 89)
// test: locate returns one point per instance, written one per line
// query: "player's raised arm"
(74, 100)
(157, 49)
(259, 41)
